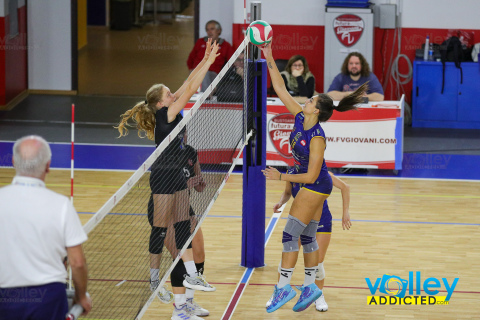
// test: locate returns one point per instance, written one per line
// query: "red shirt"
(198, 52)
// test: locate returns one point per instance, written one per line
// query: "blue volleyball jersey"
(300, 143)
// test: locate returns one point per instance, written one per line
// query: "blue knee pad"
(308, 237)
(291, 233)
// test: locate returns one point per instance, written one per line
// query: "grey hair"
(31, 163)
(217, 24)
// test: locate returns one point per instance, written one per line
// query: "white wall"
(220, 10)
(430, 14)
(49, 41)
(441, 14)
(286, 12)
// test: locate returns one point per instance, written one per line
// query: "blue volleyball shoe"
(280, 297)
(308, 296)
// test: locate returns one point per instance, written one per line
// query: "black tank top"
(172, 157)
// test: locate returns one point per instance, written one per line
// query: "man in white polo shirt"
(38, 228)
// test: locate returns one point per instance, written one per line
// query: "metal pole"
(255, 14)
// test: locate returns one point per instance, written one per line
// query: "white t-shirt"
(36, 226)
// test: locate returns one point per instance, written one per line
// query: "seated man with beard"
(355, 72)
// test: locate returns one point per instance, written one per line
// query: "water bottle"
(425, 50)
(430, 52)
(74, 312)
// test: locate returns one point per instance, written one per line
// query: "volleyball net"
(204, 147)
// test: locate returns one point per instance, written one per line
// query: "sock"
(309, 276)
(285, 277)
(200, 267)
(180, 300)
(189, 293)
(154, 274)
(191, 269)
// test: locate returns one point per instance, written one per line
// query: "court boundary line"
(284, 218)
(243, 283)
(269, 284)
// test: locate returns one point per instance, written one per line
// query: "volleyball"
(259, 33)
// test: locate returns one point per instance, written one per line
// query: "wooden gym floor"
(399, 225)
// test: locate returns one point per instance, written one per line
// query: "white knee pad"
(320, 274)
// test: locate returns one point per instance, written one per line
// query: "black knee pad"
(177, 274)
(157, 239)
(150, 210)
(200, 267)
(182, 233)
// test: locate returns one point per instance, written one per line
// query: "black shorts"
(167, 180)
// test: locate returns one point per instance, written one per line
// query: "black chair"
(281, 65)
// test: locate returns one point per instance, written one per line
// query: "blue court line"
(270, 226)
(419, 222)
(105, 157)
(247, 275)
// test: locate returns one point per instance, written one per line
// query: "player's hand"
(239, 71)
(201, 185)
(86, 303)
(213, 53)
(192, 182)
(267, 50)
(276, 207)
(208, 48)
(346, 223)
(271, 173)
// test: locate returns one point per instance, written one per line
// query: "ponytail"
(354, 98)
(349, 102)
(143, 114)
(144, 119)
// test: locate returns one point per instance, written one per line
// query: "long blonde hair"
(143, 114)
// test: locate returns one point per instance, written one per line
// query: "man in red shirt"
(213, 29)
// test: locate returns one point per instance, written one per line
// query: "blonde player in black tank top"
(155, 118)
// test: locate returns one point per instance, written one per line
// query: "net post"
(254, 183)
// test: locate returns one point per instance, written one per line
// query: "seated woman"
(299, 80)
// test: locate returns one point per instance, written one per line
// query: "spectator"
(38, 228)
(230, 88)
(298, 79)
(355, 72)
(214, 30)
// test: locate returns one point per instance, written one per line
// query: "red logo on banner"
(279, 128)
(348, 28)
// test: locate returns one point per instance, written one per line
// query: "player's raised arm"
(278, 83)
(195, 71)
(192, 85)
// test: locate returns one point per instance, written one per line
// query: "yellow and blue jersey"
(300, 140)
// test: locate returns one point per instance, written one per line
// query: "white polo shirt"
(36, 226)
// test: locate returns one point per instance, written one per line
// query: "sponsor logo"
(279, 129)
(348, 28)
(396, 290)
(303, 143)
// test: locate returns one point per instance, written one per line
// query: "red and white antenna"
(72, 153)
(71, 181)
